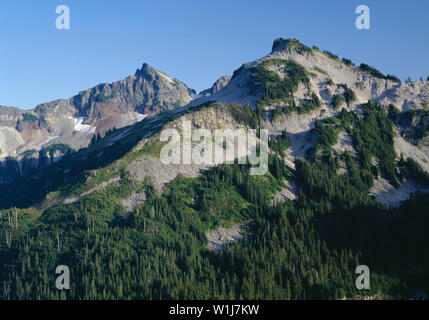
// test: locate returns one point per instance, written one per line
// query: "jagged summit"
(146, 69)
(94, 111)
(218, 85)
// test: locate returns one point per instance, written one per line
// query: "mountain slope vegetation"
(72, 212)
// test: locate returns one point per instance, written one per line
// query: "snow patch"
(141, 117)
(79, 126)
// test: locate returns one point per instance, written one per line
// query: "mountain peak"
(281, 44)
(145, 70)
(219, 84)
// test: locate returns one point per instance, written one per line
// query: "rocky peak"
(145, 71)
(281, 44)
(219, 84)
(94, 111)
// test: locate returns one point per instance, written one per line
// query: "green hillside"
(302, 249)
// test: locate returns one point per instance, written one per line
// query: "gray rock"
(219, 84)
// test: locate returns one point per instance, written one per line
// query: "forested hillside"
(308, 248)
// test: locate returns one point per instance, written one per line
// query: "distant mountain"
(219, 84)
(92, 112)
(75, 122)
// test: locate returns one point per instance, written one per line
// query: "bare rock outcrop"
(219, 238)
(219, 84)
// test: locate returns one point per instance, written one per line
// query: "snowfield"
(79, 126)
(141, 117)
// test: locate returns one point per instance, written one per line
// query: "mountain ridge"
(346, 185)
(104, 106)
(94, 112)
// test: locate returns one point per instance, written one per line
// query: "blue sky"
(195, 41)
